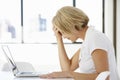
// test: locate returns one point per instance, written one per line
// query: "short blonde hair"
(69, 17)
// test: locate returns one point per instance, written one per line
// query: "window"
(94, 10)
(29, 21)
(10, 28)
(37, 16)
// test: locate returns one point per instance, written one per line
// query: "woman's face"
(70, 36)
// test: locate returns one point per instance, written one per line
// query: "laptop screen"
(9, 58)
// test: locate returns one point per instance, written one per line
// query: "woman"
(96, 54)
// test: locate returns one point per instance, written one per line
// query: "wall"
(109, 19)
(118, 36)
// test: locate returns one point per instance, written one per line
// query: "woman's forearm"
(82, 76)
(64, 60)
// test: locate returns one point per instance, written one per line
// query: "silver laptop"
(14, 67)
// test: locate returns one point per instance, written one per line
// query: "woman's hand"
(63, 74)
(57, 33)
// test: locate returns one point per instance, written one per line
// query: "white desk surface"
(10, 76)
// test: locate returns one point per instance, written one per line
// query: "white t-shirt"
(96, 40)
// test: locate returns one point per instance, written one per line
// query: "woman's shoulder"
(95, 35)
(96, 40)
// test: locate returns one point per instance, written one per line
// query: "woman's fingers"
(54, 28)
(49, 76)
(56, 75)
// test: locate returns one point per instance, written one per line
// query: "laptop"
(14, 67)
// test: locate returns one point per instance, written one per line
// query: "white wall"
(109, 19)
(118, 36)
(109, 26)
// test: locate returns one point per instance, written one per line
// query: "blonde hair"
(69, 17)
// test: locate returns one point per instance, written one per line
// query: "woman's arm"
(66, 63)
(101, 64)
(63, 58)
(74, 61)
(100, 59)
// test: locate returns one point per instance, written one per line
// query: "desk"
(9, 76)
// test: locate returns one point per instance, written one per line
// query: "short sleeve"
(98, 42)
